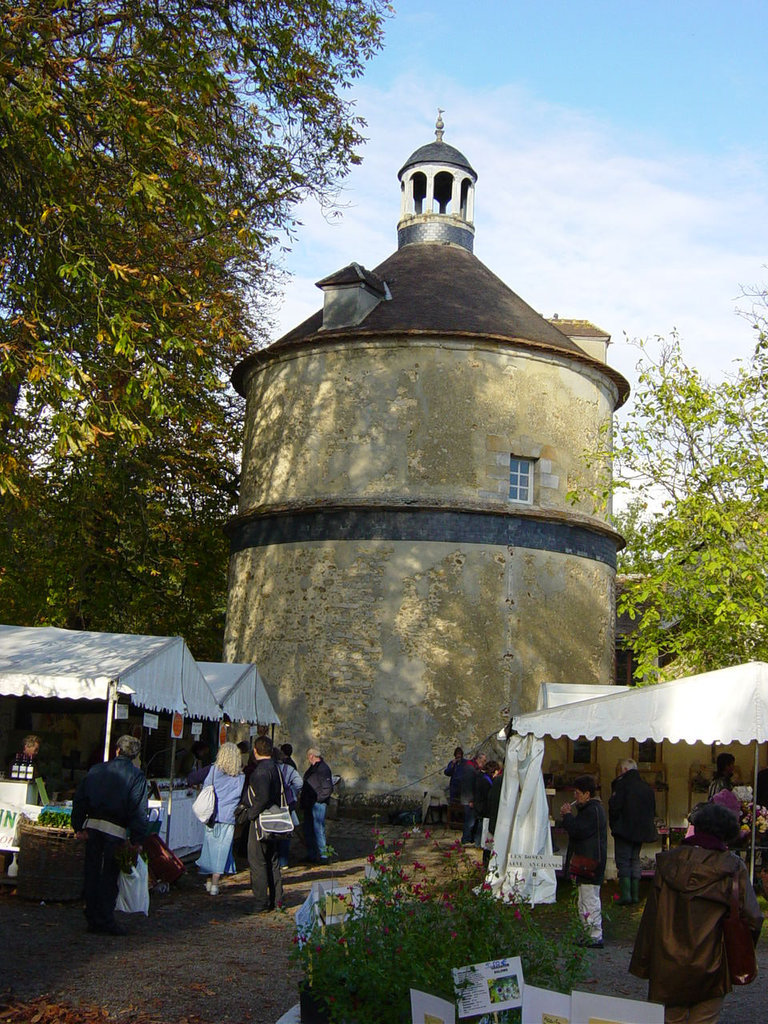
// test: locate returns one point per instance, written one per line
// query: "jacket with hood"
(679, 946)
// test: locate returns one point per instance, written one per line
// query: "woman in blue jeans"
(315, 794)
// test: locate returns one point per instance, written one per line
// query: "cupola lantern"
(437, 185)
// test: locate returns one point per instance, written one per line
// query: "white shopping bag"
(133, 889)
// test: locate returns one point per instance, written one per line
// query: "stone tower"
(406, 565)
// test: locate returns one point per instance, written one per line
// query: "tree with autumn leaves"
(151, 159)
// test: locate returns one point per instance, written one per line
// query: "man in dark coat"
(315, 794)
(632, 817)
(473, 767)
(679, 945)
(585, 823)
(263, 790)
(454, 770)
(109, 806)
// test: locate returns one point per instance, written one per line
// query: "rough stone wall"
(429, 419)
(388, 654)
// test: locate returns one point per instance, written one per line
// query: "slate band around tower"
(425, 525)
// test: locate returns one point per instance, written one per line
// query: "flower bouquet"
(745, 820)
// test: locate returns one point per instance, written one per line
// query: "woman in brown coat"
(679, 946)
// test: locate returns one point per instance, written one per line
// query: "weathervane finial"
(439, 126)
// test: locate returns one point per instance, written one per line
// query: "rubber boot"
(635, 890)
(625, 893)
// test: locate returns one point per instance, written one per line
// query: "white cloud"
(575, 215)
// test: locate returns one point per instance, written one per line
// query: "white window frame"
(523, 488)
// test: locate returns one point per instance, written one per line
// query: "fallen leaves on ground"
(198, 986)
(43, 1011)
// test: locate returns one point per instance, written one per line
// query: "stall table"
(17, 797)
(186, 832)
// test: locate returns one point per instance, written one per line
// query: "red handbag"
(583, 868)
(739, 944)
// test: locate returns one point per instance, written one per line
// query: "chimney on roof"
(350, 295)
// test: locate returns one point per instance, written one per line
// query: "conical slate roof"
(437, 152)
(441, 289)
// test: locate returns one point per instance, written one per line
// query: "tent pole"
(170, 791)
(111, 696)
(754, 823)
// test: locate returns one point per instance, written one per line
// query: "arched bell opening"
(418, 191)
(443, 192)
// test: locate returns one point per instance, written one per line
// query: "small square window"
(582, 751)
(521, 480)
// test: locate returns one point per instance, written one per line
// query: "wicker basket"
(50, 863)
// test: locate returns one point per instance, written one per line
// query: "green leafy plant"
(54, 819)
(689, 455)
(127, 856)
(413, 924)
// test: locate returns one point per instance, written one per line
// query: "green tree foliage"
(123, 541)
(150, 157)
(694, 455)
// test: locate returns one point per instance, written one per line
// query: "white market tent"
(553, 695)
(522, 826)
(156, 672)
(240, 691)
(726, 706)
(729, 705)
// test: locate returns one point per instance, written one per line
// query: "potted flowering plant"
(411, 925)
(745, 819)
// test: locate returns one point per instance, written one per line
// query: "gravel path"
(199, 959)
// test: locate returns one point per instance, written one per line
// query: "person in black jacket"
(109, 806)
(315, 794)
(472, 767)
(263, 790)
(482, 804)
(454, 771)
(287, 752)
(632, 817)
(723, 777)
(584, 821)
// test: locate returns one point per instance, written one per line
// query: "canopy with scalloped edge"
(240, 691)
(157, 672)
(729, 705)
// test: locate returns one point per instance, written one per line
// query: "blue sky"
(622, 157)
